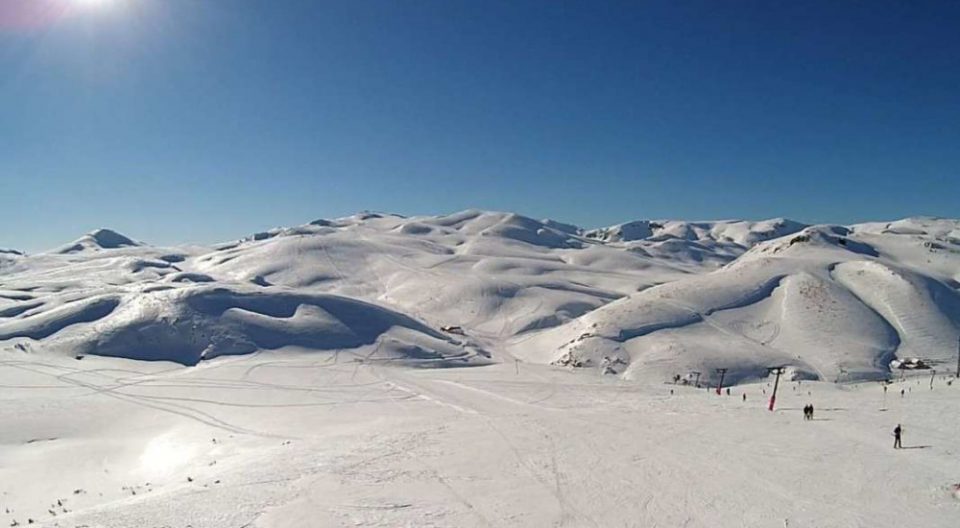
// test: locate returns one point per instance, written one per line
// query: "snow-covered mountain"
(739, 232)
(98, 240)
(831, 302)
(644, 299)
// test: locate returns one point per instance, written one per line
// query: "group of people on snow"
(808, 411)
(897, 431)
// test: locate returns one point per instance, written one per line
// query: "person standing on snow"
(896, 437)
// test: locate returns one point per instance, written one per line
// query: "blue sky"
(188, 120)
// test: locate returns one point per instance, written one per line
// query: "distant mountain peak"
(110, 239)
(98, 239)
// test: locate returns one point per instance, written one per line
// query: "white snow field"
(484, 369)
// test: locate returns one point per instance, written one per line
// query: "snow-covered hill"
(645, 299)
(98, 240)
(833, 303)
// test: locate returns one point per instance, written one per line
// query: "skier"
(811, 411)
(744, 396)
(896, 437)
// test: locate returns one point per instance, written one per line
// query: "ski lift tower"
(722, 372)
(773, 397)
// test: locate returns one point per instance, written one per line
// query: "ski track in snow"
(585, 451)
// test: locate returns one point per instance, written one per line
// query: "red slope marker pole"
(722, 372)
(776, 383)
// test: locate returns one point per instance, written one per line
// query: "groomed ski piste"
(485, 369)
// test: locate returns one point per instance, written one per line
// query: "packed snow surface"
(316, 375)
(293, 439)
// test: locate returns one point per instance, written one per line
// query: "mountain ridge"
(642, 300)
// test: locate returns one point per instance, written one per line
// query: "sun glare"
(164, 454)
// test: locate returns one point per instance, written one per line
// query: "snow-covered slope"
(187, 323)
(831, 302)
(642, 299)
(8, 259)
(301, 440)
